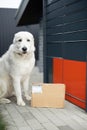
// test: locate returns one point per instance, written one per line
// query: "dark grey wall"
(65, 32)
(66, 29)
(8, 29)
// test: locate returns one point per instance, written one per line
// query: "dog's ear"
(32, 49)
(14, 39)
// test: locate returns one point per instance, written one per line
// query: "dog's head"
(23, 42)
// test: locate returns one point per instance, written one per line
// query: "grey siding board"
(40, 61)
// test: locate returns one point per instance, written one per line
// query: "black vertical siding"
(49, 70)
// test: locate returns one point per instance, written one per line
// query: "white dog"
(16, 66)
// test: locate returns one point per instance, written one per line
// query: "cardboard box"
(48, 95)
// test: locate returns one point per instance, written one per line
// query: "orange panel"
(74, 76)
(57, 70)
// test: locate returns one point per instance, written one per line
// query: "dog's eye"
(20, 40)
(28, 40)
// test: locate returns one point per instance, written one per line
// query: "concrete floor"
(70, 117)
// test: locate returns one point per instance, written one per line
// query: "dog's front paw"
(28, 97)
(4, 100)
(21, 103)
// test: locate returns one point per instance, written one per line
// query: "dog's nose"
(24, 49)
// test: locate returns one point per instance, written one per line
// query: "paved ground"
(28, 118)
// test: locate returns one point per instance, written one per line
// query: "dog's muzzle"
(24, 49)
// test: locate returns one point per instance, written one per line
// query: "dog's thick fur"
(16, 66)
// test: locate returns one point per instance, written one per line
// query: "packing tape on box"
(37, 89)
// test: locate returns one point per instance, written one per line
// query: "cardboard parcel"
(48, 95)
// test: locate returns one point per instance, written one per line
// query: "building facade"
(64, 44)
